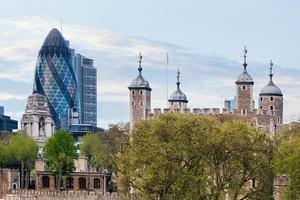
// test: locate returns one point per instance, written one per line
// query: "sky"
(204, 38)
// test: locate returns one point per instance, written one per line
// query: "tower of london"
(268, 117)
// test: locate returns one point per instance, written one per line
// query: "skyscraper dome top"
(271, 88)
(244, 77)
(178, 95)
(140, 82)
(54, 42)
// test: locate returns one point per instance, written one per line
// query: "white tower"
(140, 97)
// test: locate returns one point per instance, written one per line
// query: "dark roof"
(54, 42)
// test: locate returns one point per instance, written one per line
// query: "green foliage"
(96, 153)
(287, 161)
(60, 151)
(5, 155)
(24, 149)
(195, 157)
(112, 140)
(60, 154)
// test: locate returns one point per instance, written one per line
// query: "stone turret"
(140, 97)
(244, 91)
(271, 105)
(178, 100)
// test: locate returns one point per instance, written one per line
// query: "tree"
(60, 153)
(92, 148)
(287, 161)
(195, 157)
(24, 149)
(5, 154)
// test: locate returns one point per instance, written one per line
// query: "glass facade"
(6, 123)
(87, 87)
(55, 78)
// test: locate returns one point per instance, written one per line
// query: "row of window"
(271, 98)
(133, 103)
(70, 183)
(133, 92)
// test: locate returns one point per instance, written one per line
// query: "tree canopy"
(60, 153)
(196, 157)
(287, 161)
(24, 149)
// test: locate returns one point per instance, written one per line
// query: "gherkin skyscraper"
(55, 78)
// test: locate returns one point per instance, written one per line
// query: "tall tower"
(271, 105)
(244, 91)
(140, 97)
(178, 100)
(55, 78)
(87, 89)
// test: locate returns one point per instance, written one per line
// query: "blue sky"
(204, 38)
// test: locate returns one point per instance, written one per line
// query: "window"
(70, 183)
(45, 181)
(132, 92)
(97, 183)
(244, 112)
(82, 183)
(141, 103)
(141, 92)
(132, 103)
(244, 87)
(271, 108)
(261, 99)
(271, 98)
(261, 107)
(278, 120)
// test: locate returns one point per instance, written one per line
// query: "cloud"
(206, 79)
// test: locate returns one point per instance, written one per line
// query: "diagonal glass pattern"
(55, 78)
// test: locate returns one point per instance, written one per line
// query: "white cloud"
(206, 79)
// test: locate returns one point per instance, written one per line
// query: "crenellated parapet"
(196, 111)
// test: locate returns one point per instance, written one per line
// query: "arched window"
(141, 92)
(70, 183)
(244, 87)
(278, 120)
(141, 103)
(132, 92)
(97, 183)
(261, 99)
(82, 183)
(271, 108)
(45, 182)
(271, 99)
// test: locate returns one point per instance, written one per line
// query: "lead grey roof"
(139, 82)
(178, 95)
(271, 89)
(244, 78)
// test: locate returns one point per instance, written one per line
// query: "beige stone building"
(268, 117)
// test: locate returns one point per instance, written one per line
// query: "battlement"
(198, 111)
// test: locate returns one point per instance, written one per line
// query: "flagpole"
(167, 74)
